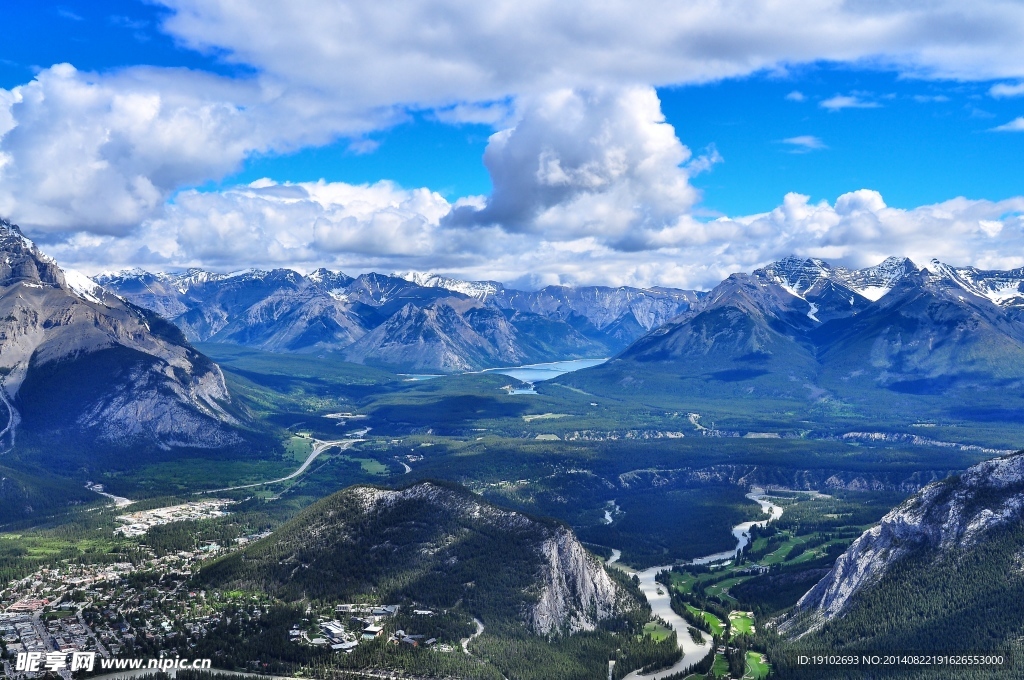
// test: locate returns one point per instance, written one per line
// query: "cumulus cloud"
(120, 143)
(106, 153)
(600, 163)
(1015, 125)
(1007, 90)
(383, 227)
(590, 186)
(590, 183)
(103, 152)
(796, 96)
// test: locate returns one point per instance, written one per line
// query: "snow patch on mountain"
(83, 286)
(1004, 288)
(481, 290)
(874, 282)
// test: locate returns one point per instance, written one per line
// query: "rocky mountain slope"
(894, 324)
(78, 362)
(436, 545)
(805, 329)
(929, 565)
(412, 321)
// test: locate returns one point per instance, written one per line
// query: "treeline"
(582, 656)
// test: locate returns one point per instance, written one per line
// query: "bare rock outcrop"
(112, 369)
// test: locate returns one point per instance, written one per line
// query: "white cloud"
(495, 114)
(382, 227)
(104, 152)
(839, 102)
(589, 187)
(796, 96)
(442, 52)
(600, 163)
(1007, 90)
(329, 68)
(805, 143)
(65, 13)
(1015, 125)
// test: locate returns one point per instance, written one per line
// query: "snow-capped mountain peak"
(874, 282)
(82, 286)
(480, 290)
(797, 275)
(1004, 288)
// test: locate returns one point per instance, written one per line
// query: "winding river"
(658, 596)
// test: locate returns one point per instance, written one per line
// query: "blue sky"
(914, 123)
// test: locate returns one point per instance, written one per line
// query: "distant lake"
(534, 373)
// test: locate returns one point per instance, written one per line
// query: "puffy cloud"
(859, 229)
(1007, 90)
(590, 183)
(439, 52)
(600, 163)
(103, 152)
(383, 227)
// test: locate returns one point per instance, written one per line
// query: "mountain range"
(797, 328)
(895, 322)
(802, 327)
(409, 322)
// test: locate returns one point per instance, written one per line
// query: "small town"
(107, 609)
(148, 608)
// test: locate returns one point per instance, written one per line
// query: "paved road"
(479, 631)
(318, 448)
(9, 427)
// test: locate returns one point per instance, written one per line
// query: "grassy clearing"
(713, 621)
(369, 465)
(298, 449)
(721, 589)
(35, 546)
(721, 667)
(742, 623)
(682, 583)
(757, 666)
(656, 631)
(62, 614)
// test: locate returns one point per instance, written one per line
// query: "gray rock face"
(955, 512)
(403, 320)
(167, 394)
(577, 593)
(438, 337)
